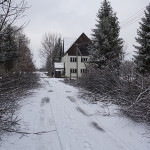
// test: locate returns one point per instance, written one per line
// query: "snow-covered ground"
(55, 118)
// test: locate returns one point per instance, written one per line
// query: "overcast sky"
(70, 18)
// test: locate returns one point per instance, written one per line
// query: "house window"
(73, 70)
(83, 71)
(84, 59)
(73, 59)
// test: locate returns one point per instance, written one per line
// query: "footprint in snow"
(72, 99)
(96, 126)
(82, 111)
(50, 91)
(45, 100)
(68, 91)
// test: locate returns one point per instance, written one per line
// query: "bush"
(12, 87)
(126, 88)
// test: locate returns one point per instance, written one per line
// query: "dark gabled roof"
(67, 43)
(83, 42)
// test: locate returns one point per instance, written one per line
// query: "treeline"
(16, 64)
(126, 83)
(15, 54)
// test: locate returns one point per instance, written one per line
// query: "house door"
(57, 74)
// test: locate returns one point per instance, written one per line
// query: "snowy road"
(56, 119)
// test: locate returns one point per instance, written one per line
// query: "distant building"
(59, 69)
(75, 55)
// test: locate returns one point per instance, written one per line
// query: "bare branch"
(10, 11)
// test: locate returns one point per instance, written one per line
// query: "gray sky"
(72, 17)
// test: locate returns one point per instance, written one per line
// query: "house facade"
(76, 56)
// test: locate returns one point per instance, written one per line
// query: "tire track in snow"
(68, 111)
(96, 125)
(42, 124)
(56, 128)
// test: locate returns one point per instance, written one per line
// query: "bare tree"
(10, 11)
(46, 52)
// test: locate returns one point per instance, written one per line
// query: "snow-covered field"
(55, 118)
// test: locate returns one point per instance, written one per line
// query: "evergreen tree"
(8, 49)
(142, 59)
(57, 53)
(107, 47)
(24, 61)
(50, 65)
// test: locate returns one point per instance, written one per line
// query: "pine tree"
(24, 61)
(8, 49)
(50, 65)
(142, 59)
(57, 53)
(107, 47)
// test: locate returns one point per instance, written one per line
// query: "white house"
(75, 55)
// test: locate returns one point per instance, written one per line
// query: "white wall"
(73, 65)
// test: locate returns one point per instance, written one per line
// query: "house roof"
(58, 65)
(80, 40)
(68, 41)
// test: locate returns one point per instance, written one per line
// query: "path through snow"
(65, 122)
